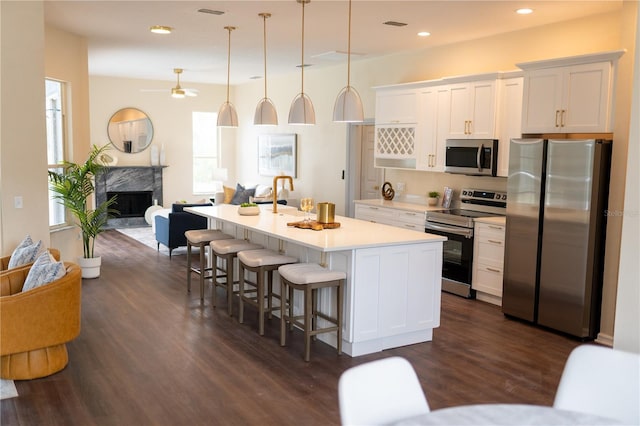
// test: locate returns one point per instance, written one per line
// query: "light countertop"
(352, 234)
(494, 220)
(421, 208)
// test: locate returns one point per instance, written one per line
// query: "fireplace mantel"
(129, 179)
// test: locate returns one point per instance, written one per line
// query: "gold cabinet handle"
(562, 113)
(495, 242)
(377, 187)
(557, 121)
(469, 127)
(495, 227)
(493, 269)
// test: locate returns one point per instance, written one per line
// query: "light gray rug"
(146, 236)
(7, 389)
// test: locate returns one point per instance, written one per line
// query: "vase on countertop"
(155, 156)
(163, 158)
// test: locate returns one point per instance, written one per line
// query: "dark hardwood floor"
(151, 354)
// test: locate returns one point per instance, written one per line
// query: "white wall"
(627, 319)
(23, 154)
(172, 125)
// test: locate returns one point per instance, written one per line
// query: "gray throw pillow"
(44, 270)
(242, 195)
(26, 252)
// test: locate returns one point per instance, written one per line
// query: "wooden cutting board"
(316, 226)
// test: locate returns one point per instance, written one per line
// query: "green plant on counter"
(434, 194)
(248, 205)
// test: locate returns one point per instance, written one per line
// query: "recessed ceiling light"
(424, 34)
(160, 29)
(524, 11)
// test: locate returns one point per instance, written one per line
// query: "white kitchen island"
(392, 294)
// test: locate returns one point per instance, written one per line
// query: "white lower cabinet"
(391, 216)
(398, 294)
(488, 262)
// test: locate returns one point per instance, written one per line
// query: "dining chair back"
(601, 381)
(380, 392)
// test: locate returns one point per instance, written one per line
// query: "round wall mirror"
(130, 130)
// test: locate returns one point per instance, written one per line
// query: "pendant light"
(227, 116)
(301, 111)
(266, 114)
(348, 106)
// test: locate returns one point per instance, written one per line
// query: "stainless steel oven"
(457, 226)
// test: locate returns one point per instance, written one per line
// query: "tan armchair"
(36, 325)
(4, 261)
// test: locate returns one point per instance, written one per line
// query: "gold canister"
(325, 212)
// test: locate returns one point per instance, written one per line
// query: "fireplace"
(131, 203)
(137, 187)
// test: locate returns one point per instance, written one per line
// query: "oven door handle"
(465, 232)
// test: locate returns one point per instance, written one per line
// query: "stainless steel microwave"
(474, 157)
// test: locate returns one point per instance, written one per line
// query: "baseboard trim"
(605, 339)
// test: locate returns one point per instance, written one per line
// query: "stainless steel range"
(457, 226)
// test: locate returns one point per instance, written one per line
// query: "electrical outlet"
(400, 186)
(17, 201)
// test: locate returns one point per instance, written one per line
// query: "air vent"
(395, 24)
(211, 12)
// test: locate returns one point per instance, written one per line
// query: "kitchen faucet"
(275, 189)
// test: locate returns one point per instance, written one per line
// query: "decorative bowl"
(249, 211)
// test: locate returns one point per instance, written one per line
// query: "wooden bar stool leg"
(230, 284)
(308, 321)
(283, 310)
(260, 300)
(241, 271)
(203, 268)
(339, 316)
(189, 271)
(214, 262)
(270, 293)
(290, 308)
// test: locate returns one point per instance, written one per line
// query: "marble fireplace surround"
(127, 179)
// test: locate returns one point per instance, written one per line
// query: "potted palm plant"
(73, 188)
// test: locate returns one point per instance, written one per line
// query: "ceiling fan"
(177, 91)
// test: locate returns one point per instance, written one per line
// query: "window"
(55, 116)
(205, 152)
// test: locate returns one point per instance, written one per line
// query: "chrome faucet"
(275, 189)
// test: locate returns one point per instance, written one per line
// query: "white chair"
(601, 381)
(380, 392)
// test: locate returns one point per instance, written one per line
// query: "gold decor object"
(325, 213)
(266, 114)
(387, 191)
(302, 111)
(348, 106)
(160, 29)
(227, 116)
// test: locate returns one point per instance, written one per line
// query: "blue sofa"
(170, 229)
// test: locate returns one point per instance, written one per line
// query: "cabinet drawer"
(490, 229)
(491, 251)
(488, 279)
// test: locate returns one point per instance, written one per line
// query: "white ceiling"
(120, 43)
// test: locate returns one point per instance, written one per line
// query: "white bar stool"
(309, 278)
(262, 261)
(227, 250)
(201, 238)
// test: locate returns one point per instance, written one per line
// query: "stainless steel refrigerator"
(557, 192)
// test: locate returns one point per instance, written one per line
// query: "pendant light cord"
(302, 62)
(264, 18)
(349, 50)
(229, 59)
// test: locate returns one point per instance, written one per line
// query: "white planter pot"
(90, 266)
(433, 201)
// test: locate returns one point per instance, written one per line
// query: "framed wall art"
(277, 155)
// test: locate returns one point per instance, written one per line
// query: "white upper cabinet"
(472, 110)
(431, 144)
(570, 95)
(509, 119)
(397, 106)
